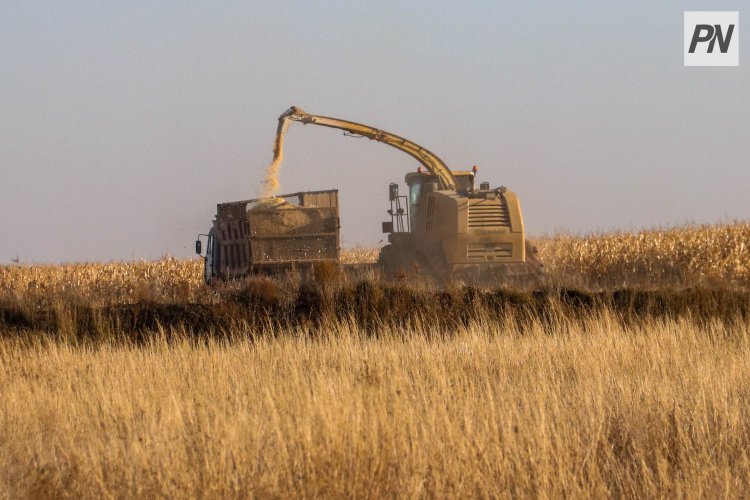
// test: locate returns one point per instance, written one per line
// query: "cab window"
(414, 191)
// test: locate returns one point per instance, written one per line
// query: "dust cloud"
(271, 183)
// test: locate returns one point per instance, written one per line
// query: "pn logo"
(712, 39)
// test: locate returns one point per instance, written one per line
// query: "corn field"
(687, 256)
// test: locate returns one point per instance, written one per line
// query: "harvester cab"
(403, 208)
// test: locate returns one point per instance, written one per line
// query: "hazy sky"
(123, 124)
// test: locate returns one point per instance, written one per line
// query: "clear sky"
(123, 124)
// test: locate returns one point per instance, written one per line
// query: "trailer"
(272, 235)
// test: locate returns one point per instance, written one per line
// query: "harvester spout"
(445, 178)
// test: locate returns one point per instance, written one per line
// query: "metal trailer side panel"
(303, 233)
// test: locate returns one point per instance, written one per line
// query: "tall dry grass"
(130, 379)
(580, 409)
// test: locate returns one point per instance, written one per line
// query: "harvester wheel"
(389, 262)
(421, 266)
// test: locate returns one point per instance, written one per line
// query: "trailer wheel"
(421, 266)
(385, 260)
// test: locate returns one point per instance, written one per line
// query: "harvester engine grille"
(489, 251)
(489, 213)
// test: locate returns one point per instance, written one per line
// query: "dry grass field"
(627, 375)
(578, 410)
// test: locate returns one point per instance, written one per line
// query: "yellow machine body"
(444, 225)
